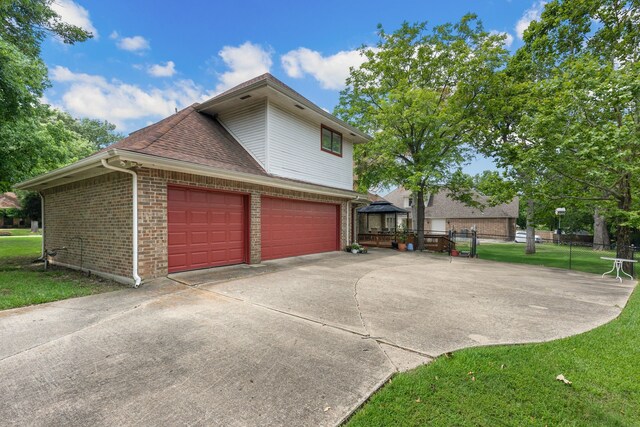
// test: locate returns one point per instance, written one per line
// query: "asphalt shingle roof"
(192, 137)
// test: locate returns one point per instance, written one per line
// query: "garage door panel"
(205, 228)
(295, 227)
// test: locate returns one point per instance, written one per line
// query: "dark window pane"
(337, 143)
(326, 139)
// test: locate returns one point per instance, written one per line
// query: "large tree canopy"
(23, 76)
(585, 124)
(418, 94)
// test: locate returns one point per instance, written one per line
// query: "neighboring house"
(258, 172)
(443, 214)
(9, 204)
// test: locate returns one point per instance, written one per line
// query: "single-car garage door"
(294, 227)
(206, 228)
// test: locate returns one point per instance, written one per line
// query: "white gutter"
(136, 278)
(42, 220)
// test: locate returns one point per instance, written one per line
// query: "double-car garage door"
(211, 228)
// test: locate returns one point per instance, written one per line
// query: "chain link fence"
(573, 252)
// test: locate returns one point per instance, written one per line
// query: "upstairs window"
(331, 141)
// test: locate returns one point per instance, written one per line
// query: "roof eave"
(84, 164)
(288, 92)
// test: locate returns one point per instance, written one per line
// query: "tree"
(586, 123)
(23, 76)
(418, 94)
(37, 144)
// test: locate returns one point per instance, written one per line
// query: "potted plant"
(402, 239)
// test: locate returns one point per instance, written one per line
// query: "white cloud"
(133, 44)
(166, 70)
(508, 41)
(74, 14)
(531, 14)
(245, 62)
(114, 35)
(125, 105)
(331, 71)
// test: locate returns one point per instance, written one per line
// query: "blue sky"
(149, 57)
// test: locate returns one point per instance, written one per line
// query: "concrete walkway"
(294, 342)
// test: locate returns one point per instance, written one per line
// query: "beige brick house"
(257, 172)
(443, 214)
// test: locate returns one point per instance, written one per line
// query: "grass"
(516, 385)
(24, 283)
(548, 255)
(18, 232)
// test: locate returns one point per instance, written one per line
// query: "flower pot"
(402, 246)
(354, 251)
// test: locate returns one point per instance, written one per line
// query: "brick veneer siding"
(152, 205)
(491, 226)
(92, 219)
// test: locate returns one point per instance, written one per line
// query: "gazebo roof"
(381, 207)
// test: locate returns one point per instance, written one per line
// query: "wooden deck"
(432, 242)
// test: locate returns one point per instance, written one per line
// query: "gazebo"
(378, 223)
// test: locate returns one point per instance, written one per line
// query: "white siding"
(248, 126)
(294, 152)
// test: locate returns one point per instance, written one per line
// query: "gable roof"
(441, 206)
(9, 201)
(192, 137)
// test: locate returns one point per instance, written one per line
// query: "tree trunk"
(531, 231)
(601, 239)
(420, 219)
(623, 232)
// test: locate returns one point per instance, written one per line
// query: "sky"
(148, 58)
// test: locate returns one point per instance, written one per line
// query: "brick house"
(9, 202)
(442, 214)
(258, 172)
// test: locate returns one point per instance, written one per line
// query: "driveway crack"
(364, 324)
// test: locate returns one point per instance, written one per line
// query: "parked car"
(521, 237)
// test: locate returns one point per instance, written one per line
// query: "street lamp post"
(559, 213)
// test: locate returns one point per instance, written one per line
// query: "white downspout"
(136, 278)
(42, 220)
(348, 222)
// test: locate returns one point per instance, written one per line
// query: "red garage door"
(206, 228)
(294, 227)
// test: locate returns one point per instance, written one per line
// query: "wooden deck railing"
(432, 242)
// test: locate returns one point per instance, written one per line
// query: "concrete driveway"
(295, 342)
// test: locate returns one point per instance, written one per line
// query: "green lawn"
(18, 232)
(516, 385)
(549, 255)
(23, 283)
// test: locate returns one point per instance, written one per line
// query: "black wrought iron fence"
(571, 252)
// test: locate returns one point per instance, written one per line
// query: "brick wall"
(92, 219)
(152, 200)
(493, 226)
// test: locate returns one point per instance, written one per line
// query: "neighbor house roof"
(192, 137)
(9, 201)
(375, 198)
(441, 206)
(381, 207)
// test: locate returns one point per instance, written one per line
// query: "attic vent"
(245, 97)
(299, 106)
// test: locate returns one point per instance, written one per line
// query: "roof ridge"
(184, 112)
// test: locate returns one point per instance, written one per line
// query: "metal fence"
(570, 252)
